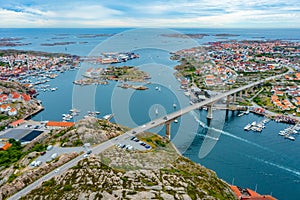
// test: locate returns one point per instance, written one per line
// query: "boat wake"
(293, 171)
(202, 124)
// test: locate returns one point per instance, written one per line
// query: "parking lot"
(48, 156)
(132, 143)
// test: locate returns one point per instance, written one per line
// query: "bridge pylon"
(209, 111)
(168, 130)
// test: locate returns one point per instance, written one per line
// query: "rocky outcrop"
(120, 174)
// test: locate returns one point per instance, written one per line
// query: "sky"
(153, 13)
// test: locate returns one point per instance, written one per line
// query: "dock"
(289, 131)
(257, 126)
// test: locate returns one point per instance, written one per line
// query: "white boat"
(290, 137)
(247, 112)
(247, 127)
(282, 133)
(159, 89)
(253, 123)
(174, 105)
(241, 114)
(175, 121)
(53, 89)
(156, 88)
(156, 111)
(108, 117)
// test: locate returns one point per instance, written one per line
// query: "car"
(49, 147)
(165, 118)
(89, 152)
(153, 123)
(53, 156)
(132, 138)
(43, 153)
(147, 146)
(144, 126)
(57, 170)
(133, 132)
(85, 155)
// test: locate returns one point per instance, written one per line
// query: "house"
(5, 108)
(12, 112)
(57, 125)
(15, 96)
(247, 194)
(5, 146)
(25, 97)
(17, 123)
(3, 98)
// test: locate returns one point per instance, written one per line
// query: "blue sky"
(154, 13)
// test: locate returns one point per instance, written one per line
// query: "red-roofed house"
(12, 112)
(5, 107)
(15, 96)
(17, 123)
(55, 125)
(25, 97)
(5, 146)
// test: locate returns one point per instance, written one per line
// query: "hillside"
(121, 174)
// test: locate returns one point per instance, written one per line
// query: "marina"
(289, 131)
(257, 126)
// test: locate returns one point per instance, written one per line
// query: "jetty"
(289, 131)
(257, 126)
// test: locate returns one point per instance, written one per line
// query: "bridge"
(166, 120)
(169, 118)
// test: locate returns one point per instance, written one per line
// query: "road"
(157, 122)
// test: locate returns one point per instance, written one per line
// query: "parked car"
(89, 152)
(43, 153)
(49, 147)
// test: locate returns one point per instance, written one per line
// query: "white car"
(144, 126)
(56, 170)
(85, 155)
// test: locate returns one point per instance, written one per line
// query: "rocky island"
(112, 73)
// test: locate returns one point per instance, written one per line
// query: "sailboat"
(174, 105)
(156, 111)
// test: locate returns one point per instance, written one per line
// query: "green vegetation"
(12, 154)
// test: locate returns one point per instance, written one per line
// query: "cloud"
(155, 13)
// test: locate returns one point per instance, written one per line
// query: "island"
(188, 35)
(113, 73)
(57, 43)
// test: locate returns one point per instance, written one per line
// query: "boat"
(156, 111)
(175, 121)
(241, 114)
(156, 88)
(253, 123)
(247, 112)
(174, 105)
(108, 117)
(289, 137)
(53, 89)
(247, 127)
(97, 112)
(159, 89)
(282, 133)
